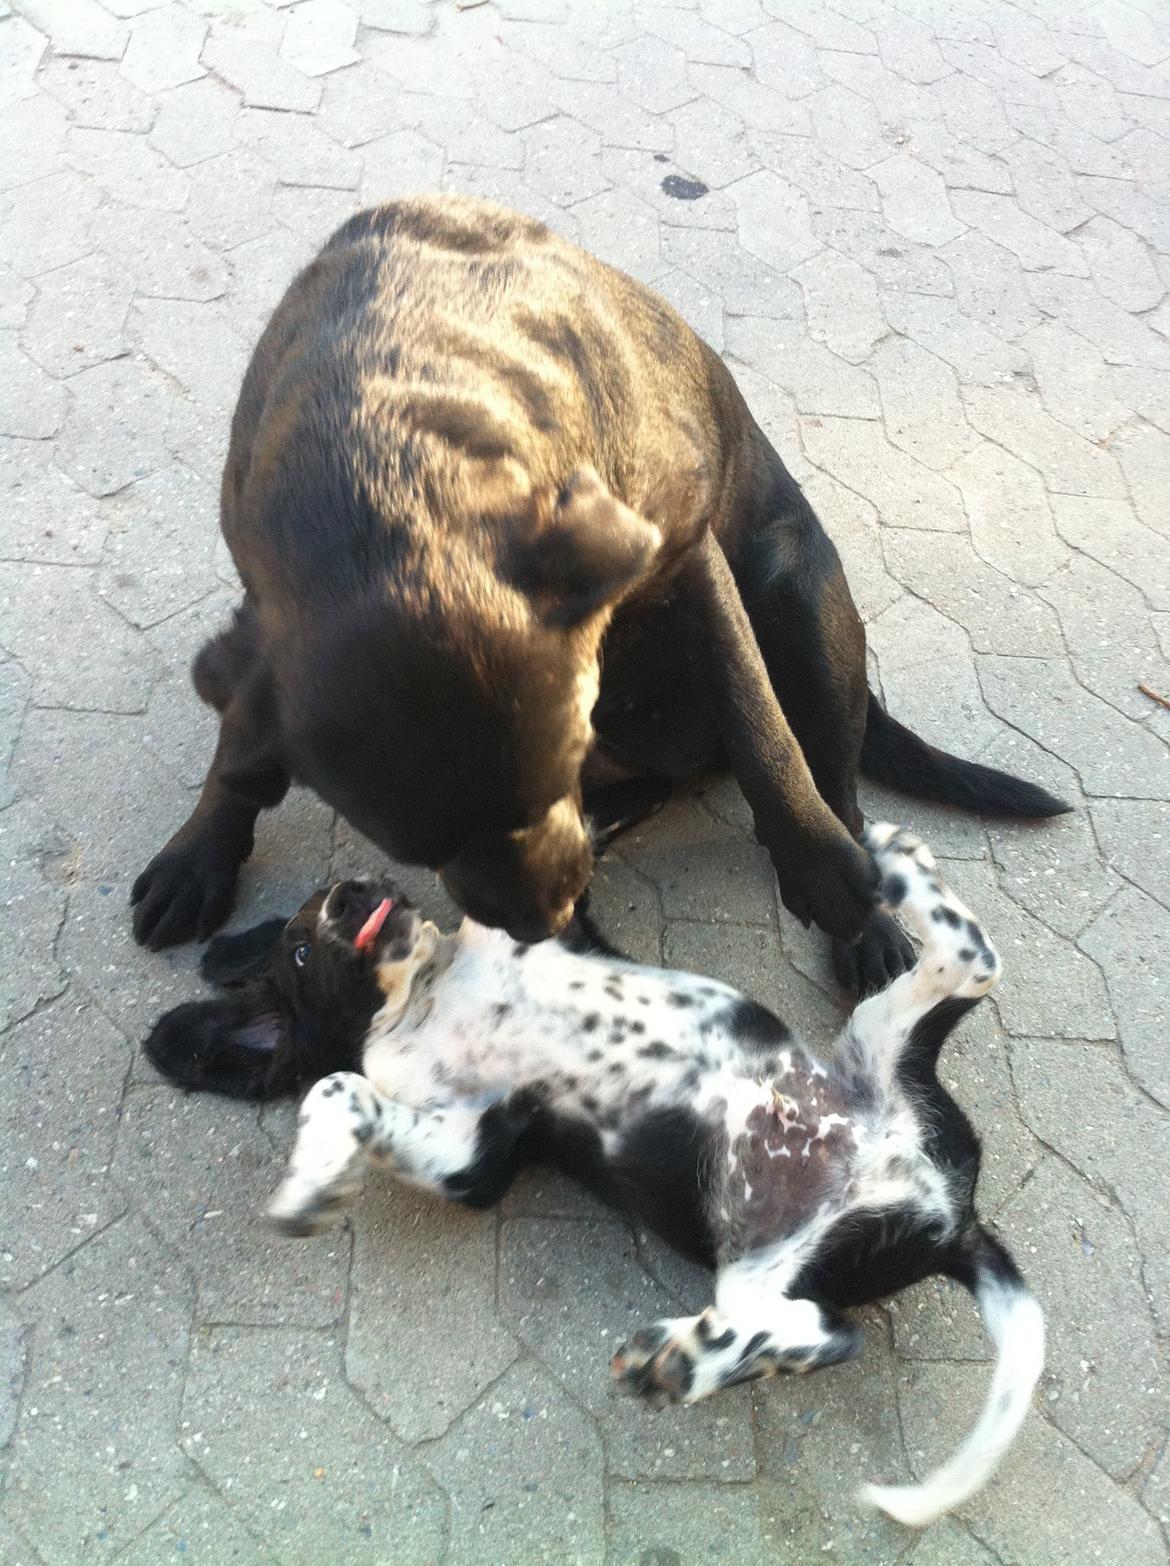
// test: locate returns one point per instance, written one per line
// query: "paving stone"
(32, 404)
(661, 1523)
(16, 295)
(117, 423)
(164, 49)
(612, 115)
(841, 304)
(822, 1442)
(263, 269)
(1037, 246)
(894, 98)
(1144, 454)
(203, 1172)
(11, 1374)
(758, 106)
(914, 201)
(297, 151)
(1135, 35)
(34, 910)
(923, 414)
(1120, 265)
(46, 224)
(1112, 755)
(1116, 1139)
(1135, 836)
(1054, 868)
(1045, 187)
(975, 114)
(54, 615)
(894, 261)
(78, 317)
(87, 1468)
(21, 48)
(461, 138)
(1014, 416)
(158, 555)
(1073, 381)
(961, 165)
(77, 27)
(15, 688)
(833, 29)
(1106, 1389)
(626, 231)
(567, 50)
(827, 183)
(785, 60)
(127, 168)
(774, 220)
(998, 614)
(38, 127)
(428, 1269)
(196, 121)
(401, 164)
(1095, 1521)
(96, 94)
(1128, 940)
(508, 188)
(230, 199)
(320, 36)
(1148, 391)
(744, 284)
(75, 765)
(907, 47)
(653, 73)
(199, 1529)
(820, 383)
(396, 16)
(905, 493)
(703, 40)
(1116, 197)
(572, 1292)
(362, 103)
(313, 213)
(161, 252)
(563, 161)
(1108, 632)
(269, 1419)
(511, 90)
(929, 675)
(846, 127)
(990, 286)
(852, 524)
(253, 67)
(700, 306)
(1121, 338)
(1011, 524)
(527, 1473)
(194, 343)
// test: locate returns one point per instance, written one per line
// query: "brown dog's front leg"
(824, 875)
(188, 888)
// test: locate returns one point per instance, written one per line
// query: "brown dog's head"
(298, 997)
(447, 714)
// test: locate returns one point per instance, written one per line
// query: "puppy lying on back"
(458, 1059)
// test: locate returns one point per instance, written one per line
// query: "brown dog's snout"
(526, 882)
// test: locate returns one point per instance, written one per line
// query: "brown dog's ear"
(584, 554)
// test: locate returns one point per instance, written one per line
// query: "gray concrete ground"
(935, 247)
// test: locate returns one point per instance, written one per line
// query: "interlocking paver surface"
(932, 240)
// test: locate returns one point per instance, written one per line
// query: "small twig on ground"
(1152, 694)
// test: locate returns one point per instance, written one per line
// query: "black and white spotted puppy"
(810, 1187)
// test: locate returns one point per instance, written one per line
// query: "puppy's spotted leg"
(686, 1358)
(957, 961)
(956, 957)
(344, 1122)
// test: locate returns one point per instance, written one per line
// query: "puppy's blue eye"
(301, 954)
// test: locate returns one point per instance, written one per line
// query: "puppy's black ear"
(585, 555)
(238, 1045)
(234, 959)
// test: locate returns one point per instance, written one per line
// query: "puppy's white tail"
(1015, 1325)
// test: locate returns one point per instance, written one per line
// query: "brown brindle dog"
(508, 534)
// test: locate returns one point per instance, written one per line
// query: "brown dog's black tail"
(891, 754)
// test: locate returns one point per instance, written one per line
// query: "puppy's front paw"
(656, 1364)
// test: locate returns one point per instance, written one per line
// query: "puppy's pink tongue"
(372, 928)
